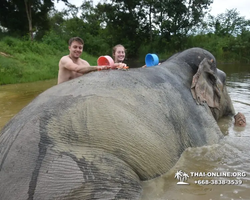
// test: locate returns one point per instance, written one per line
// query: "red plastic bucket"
(105, 60)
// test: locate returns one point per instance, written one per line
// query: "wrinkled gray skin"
(100, 135)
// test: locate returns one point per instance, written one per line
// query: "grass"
(25, 61)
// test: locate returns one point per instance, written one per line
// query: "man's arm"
(83, 66)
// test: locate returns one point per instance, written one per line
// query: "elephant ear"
(204, 87)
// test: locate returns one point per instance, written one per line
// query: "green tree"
(122, 21)
(146, 21)
(228, 23)
(25, 16)
(176, 18)
(83, 21)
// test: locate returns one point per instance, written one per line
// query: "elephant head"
(209, 86)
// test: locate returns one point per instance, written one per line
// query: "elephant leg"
(93, 174)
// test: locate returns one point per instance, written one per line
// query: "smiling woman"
(118, 53)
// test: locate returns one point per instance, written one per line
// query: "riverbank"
(24, 61)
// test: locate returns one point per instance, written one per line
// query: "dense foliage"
(142, 26)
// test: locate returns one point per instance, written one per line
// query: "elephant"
(99, 136)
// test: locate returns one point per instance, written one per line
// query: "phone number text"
(218, 182)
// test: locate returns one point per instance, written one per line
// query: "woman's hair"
(78, 39)
(115, 47)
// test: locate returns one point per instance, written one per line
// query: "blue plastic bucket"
(151, 60)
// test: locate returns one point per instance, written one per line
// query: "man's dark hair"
(78, 39)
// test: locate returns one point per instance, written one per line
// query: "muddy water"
(14, 97)
(228, 162)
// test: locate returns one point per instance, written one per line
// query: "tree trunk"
(29, 16)
(150, 22)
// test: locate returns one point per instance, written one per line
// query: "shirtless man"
(72, 66)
